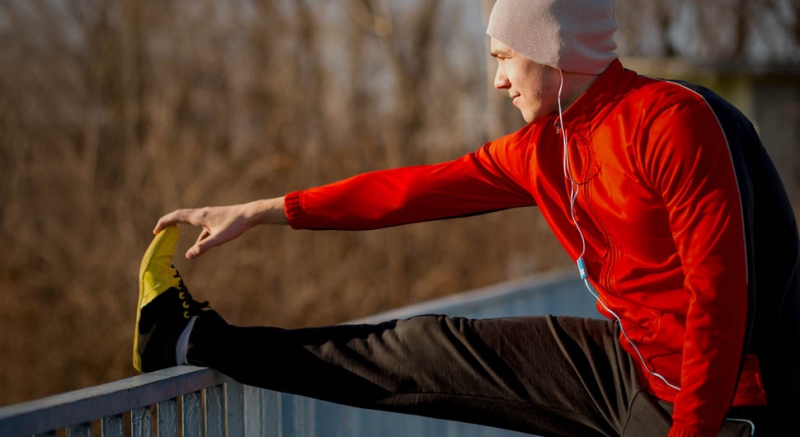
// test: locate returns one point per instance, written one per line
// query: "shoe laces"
(190, 306)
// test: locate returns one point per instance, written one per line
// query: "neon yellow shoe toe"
(165, 305)
(156, 273)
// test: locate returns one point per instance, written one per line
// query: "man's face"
(533, 87)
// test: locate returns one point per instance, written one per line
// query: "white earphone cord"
(573, 196)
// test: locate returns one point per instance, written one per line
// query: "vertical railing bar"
(272, 413)
(180, 416)
(279, 413)
(203, 429)
(234, 409)
(142, 422)
(113, 426)
(290, 412)
(304, 416)
(81, 430)
(311, 420)
(297, 414)
(192, 414)
(253, 411)
(167, 424)
(214, 411)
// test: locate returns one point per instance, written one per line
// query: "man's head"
(575, 36)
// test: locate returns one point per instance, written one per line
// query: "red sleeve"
(490, 179)
(690, 164)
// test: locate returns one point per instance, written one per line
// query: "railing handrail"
(461, 302)
(103, 400)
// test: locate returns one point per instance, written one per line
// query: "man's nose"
(500, 79)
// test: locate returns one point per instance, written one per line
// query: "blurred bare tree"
(743, 30)
(114, 112)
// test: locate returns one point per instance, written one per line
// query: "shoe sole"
(167, 236)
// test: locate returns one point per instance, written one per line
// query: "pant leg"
(563, 376)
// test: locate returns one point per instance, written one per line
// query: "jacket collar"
(589, 110)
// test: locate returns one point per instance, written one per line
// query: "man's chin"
(527, 116)
(530, 118)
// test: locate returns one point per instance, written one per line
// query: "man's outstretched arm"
(490, 179)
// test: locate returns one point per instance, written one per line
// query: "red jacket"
(668, 177)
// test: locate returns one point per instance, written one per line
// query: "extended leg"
(543, 375)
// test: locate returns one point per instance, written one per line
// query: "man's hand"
(221, 224)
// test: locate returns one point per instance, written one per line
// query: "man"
(662, 194)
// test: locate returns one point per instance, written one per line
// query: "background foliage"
(114, 112)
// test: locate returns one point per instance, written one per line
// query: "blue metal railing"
(191, 401)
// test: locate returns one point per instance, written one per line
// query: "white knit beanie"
(573, 35)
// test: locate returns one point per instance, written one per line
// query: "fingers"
(173, 218)
(199, 247)
(218, 224)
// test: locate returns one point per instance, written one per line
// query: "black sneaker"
(165, 306)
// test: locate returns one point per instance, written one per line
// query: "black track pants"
(544, 375)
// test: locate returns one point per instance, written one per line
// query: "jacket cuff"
(681, 430)
(293, 208)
